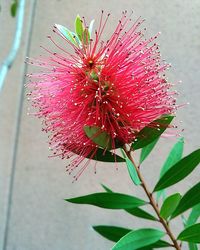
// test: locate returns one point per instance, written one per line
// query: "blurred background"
(33, 213)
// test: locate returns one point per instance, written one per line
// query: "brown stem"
(153, 203)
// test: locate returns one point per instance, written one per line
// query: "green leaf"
(192, 246)
(179, 171)
(158, 244)
(138, 238)
(132, 172)
(190, 199)
(105, 156)
(161, 193)
(75, 38)
(79, 27)
(147, 150)
(69, 35)
(138, 212)
(169, 205)
(194, 215)
(183, 220)
(86, 36)
(192, 219)
(174, 156)
(98, 136)
(190, 234)
(106, 188)
(151, 132)
(13, 8)
(112, 233)
(91, 27)
(109, 200)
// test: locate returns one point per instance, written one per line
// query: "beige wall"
(39, 218)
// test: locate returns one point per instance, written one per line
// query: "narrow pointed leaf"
(190, 234)
(109, 200)
(76, 39)
(79, 27)
(174, 156)
(69, 35)
(194, 215)
(151, 132)
(179, 171)
(138, 239)
(184, 220)
(106, 188)
(189, 200)
(138, 212)
(158, 244)
(132, 172)
(147, 150)
(98, 136)
(169, 205)
(112, 233)
(86, 36)
(192, 219)
(192, 246)
(162, 194)
(91, 27)
(105, 156)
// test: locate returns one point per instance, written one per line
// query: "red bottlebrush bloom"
(118, 86)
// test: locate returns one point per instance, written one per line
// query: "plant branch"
(7, 63)
(153, 203)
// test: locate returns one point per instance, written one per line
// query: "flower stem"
(153, 203)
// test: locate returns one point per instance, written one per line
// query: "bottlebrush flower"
(115, 88)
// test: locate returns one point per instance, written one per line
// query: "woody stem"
(153, 203)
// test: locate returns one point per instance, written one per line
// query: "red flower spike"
(118, 86)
